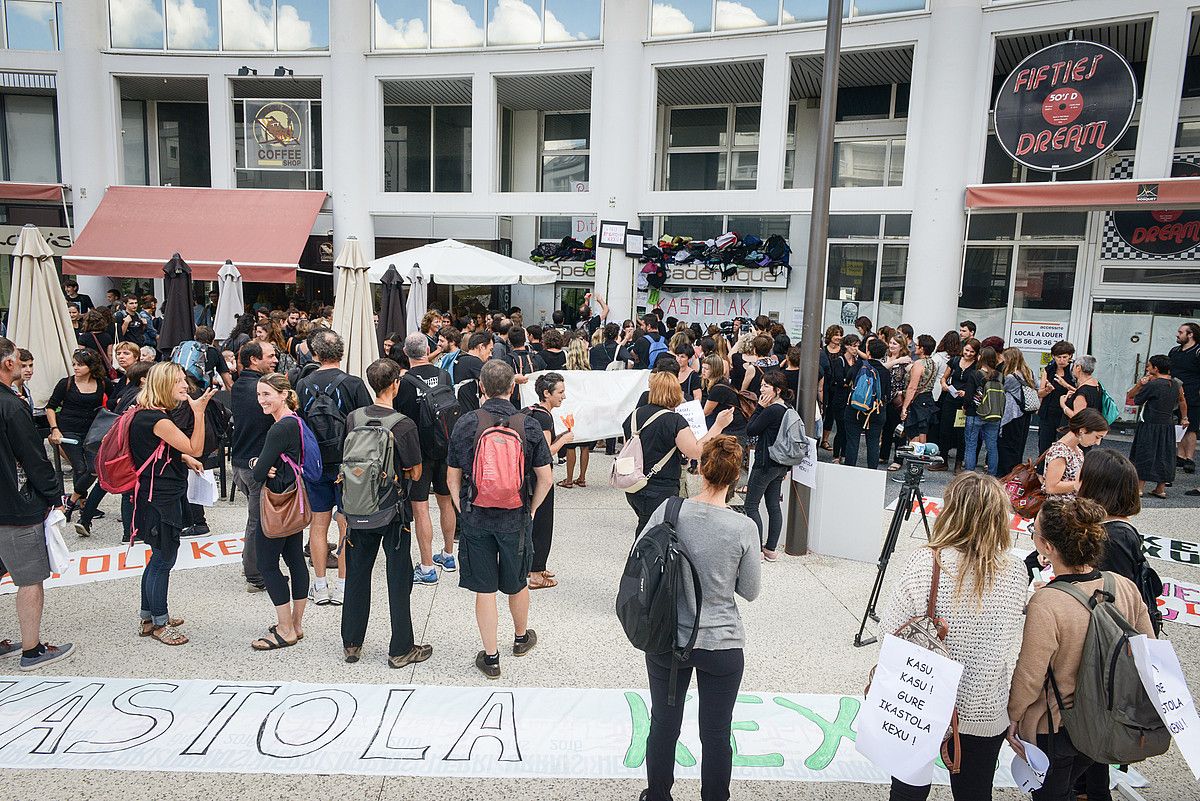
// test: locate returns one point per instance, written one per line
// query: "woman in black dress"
(1153, 451)
(829, 353)
(1057, 381)
(954, 386)
(840, 369)
(551, 392)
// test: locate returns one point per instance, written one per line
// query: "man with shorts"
(420, 378)
(1185, 366)
(347, 393)
(497, 543)
(28, 483)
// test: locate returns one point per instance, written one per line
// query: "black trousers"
(718, 678)
(1013, 436)
(1066, 766)
(291, 550)
(81, 468)
(891, 419)
(645, 502)
(543, 532)
(362, 546)
(973, 782)
(852, 425)
(1048, 431)
(949, 437)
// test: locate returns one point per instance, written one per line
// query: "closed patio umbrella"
(353, 310)
(230, 302)
(418, 298)
(391, 305)
(178, 323)
(37, 318)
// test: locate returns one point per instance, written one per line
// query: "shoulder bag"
(1024, 488)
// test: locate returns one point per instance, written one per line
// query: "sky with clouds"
(194, 25)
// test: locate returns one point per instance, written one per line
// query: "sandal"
(1161, 495)
(565, 484)
(825, 446)
(540, 581)
(893, 467)
(272, 628)
(148, 626)
(275, 643)
(549, 573)
(581, 482)
(168, 635)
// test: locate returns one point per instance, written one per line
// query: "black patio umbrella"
(391, 306)
(178, 324)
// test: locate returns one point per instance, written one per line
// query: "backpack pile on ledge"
(569, 249)
(729, 252)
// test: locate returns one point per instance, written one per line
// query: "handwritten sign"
(693, 412)
(1036, 336)
(907, 710)
(1158, 668)
(806, 472)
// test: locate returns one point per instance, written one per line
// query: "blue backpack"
(865, 397)
(657, 348)
(311, 466)
(192, 356)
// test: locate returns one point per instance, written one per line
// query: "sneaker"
(491, 671)
(9, 649)
(319, 595)
(522, 648)
(200, 531)
(83, 529)
(1189, 466)
(429, 579)
(53, 653)
(419, 653)
(337, 595)
(353, 653)
(98, 514)
(69, 507)
(446, 561)
(769, 556)
(252, 587)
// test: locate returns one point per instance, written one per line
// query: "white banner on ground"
(597, 401)
(907, 710)
(282, 727)
(1180, 602)
(120, 561)
(1161, 674)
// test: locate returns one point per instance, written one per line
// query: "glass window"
(1188, 134)
(992, 226)
(567, 131)
(274, 179)
(452, 149)
(506, 149)
(406, 148)
(903, 91)
(32, 25)
(761, 226)
(136, 24)
(864, 103)
(866, 8)
(133, 143)
(697, 226)
(192, 25)
(746, 14)
(1083, 173)
(860, 163)
(998, 166)
(554, 228)
(30, 138)
(851, 272)
(896, 162)
(514, 22)
(1054, 225)
(183, 156)
(985, 278)
(745, 126)
(401, 24)
(744, 174)
(892, 270)
(703, 171)
(248, 24)
(677, 17)
(560, 173)
(456, 23)
(303, 24)
(897, 225)
(809, 10)
(572, 21)
(1178, 274)
(698, 127)
(846, 226)
(1045, 278)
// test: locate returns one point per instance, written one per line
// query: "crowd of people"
(316, 450)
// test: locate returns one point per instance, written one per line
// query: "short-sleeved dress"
(1153, 450)
(1073, 458)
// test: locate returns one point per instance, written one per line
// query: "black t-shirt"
(76, 410)
(525, 361)
(602, 355)
(1050, 410)
(81, 302)
(136, 332)
(737, 370)
(641, 349)
(215, 364)
(99, 341)
(793, 379)
(658, 438)
(1090, 394)
(554, 359)
(1185, 365)
(351, 394)
(544, 419)
(765, 425)
(169, 480)
(726, 397)
(466, 378)
(407, 444)
(689, 386)
(283, 438)
(407, 402)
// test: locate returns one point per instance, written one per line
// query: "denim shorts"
(325, 493)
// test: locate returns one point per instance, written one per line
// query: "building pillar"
(1161, 91)
(351, 132)
(772, 127)
(220, 133)
(948, 66)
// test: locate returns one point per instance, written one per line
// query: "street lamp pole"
(814, 283)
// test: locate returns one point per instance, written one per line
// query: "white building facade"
(510, 122)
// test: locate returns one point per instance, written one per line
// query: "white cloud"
(135, 23)
(788, 17)
(667, 20)
(733, 16)
(557, 32)
(514, 22)
(246, 25)
(401, 34)
(188, 26)
(451, 25)
(294, 33)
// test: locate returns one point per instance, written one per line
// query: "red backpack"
(114, 463)
(498, 470)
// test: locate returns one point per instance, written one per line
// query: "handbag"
(282, 514)
(1024, 488)
(1029, 397)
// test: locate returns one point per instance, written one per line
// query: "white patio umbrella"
(37, 318)
(354, 310)
(454, 262)
(418, 297)
(230, 302)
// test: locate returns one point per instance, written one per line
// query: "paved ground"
(800, 635)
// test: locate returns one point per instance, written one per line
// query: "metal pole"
(814, 283)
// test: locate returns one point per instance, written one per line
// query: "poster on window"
(1038, 337)
(278, 135)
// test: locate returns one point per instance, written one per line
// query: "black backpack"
(647, 598)
(322, 410)
(439, 411)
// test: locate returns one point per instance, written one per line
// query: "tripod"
(910, 495)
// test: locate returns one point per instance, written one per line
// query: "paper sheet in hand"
(693, 412)
(907, 711)
(1180, 433)
(1158, 668)
(202, 488)
(1030, 773)
(56, 548)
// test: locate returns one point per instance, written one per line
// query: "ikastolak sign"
(1065, 105)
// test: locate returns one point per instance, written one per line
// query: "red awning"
(15, 191)
(1159, 193)
(136, 229)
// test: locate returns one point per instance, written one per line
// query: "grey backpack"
(1111, 720)
(370, 485)
(791, 443)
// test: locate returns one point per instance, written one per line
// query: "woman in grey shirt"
(724, 547)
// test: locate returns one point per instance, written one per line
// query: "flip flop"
(275, 626)
(579, 482)
(565, 484)
(269, 645)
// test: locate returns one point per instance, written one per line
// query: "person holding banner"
(578, 358)
(1068, 532)
(551, 391)
(981, 596)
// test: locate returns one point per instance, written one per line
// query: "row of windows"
(240, 25)
(684, 17)
(31, 24)
(421, 24)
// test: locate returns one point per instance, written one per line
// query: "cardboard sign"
(1161, 674)
(907, 710)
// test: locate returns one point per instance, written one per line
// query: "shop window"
(710, 226)
(566, 141)
(897, 225)
(422, 24)
(864, 103)
(32, 24)
(697, 226)
(253, 175)
(30, 138)
(985, 227)
(983, 295)
(427, 148)
(1173, 274)
(686, 17)
(893, 267)
(854, 226)
(183, 156)
(553, 229)
(1045, 279)
(230, 25)
(851, 275)
(1054, 225)
(1187, 135)
(866, 268)
(712, 148)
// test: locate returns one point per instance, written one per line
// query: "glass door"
(570, 298)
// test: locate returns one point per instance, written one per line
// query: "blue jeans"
(155, 580)
(766, 482)
(976, 429)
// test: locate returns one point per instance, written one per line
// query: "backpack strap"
(1089, 601)
(661, 463)
(638, 429)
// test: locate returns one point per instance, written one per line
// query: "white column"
(772, 128)
(1160, 94)
(86, 98)
(351, 133)
(942, 136)
(220, 132)
(484, 134)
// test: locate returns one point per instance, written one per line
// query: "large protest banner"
(597, 403)
(281, 727)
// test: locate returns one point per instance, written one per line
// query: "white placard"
(693, 412)
(1036, 336)
(806, 472)
(597, 402)
(612, 234)
(907, 710)
(1161, 674)
(841, 529)
(202, 488)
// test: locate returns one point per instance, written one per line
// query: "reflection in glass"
(452, 149)
(809, 10)
(406, 148)
(704, 171)
(848, 226)
(248, 24)
(745, 126)
(192, 24)
(735, 15)
(1054, 225)
(985, 278)
(456, 23)
(1045, 278)
(135, 24)
(303, 25)
(698, 127)
(183, 156)
(745, 170)
(851, 273)
(989, 225)
(401, 24)
(31, 25)
(896, 163)
(860, 163)
(567, 131)
(697, 226)
(891, 285)
(762, 226)
(514, 22)
(554, 228)
(32, 141)
(572, 20)
(678, 17)
(559, 173)
(133, 143)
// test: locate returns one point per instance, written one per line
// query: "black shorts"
(1193, 402)
(494, 561)
(433, 475)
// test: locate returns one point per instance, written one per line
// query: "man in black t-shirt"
(522, 360)
(1185, 365)
(648, 337)
(466, 370)
(591, 322)
(81, 302)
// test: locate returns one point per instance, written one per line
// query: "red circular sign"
(1062, 106)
